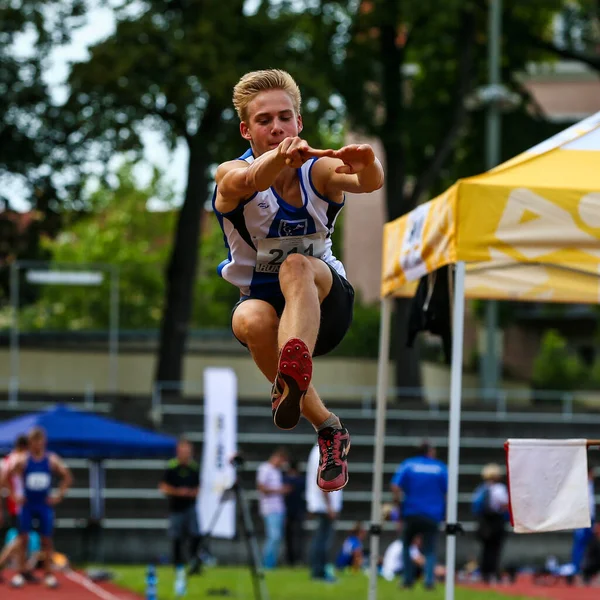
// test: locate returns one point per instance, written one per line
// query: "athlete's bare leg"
(8, 551)
(256, 324)
(48, 551)
(305, 282)
(283, 350)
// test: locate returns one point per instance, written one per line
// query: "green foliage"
(555, 368)
(27, 133)
(214, 296)
(169, 65)
(594, 375)
(121, 233)
(362, 339)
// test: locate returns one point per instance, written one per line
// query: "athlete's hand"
(19, 500)
(54, 499)
(356, 157)
(296, 152)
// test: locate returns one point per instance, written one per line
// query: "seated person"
(392, 565)
(352, 552)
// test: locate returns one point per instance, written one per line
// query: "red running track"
(72, 586)
(556, 591)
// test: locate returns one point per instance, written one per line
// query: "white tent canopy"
(527, 230)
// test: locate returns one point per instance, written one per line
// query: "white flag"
(220, 445)
(548, 485)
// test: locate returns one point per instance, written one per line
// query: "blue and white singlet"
(264, 229)
(37, 480)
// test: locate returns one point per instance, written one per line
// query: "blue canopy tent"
(75, 434)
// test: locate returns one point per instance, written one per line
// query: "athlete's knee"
(295, 267)
(255, 327)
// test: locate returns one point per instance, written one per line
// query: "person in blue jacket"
(420, 485)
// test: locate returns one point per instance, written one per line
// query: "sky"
(101, 24)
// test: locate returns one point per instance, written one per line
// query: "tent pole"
(458, 316)
(382, 389)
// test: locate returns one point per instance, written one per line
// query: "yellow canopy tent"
(527, 230)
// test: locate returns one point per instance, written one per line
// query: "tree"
(170, 66)
(119, 231)
(28, 137)
(405, 73)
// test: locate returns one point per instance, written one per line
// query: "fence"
(496, 401)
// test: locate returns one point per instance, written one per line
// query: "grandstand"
(134, 523)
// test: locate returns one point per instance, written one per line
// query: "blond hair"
(491, 471)
(251, 84)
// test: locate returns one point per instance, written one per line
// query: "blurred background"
(114, 117)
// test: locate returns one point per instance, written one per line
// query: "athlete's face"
(270, 119)
(37, 444)
(184, 452)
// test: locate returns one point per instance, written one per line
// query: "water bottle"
(151, 583)
(180, 583)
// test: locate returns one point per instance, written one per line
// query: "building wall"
(71, 372)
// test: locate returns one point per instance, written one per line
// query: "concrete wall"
(70, 372)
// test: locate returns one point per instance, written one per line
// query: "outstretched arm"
(236, 180)
(353, 168)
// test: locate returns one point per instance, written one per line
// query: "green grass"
(285, 584)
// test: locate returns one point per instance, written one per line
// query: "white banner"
(411, 259)
(220, 445)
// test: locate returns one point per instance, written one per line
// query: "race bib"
(271, 252)
(37, 482)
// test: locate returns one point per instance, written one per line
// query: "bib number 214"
(279, 255)
(273, 251)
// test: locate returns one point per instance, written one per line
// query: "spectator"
(181, 484)
(490, 506)
(581, 537)
(393, 565)
(325, 508)
(419, 486)
(294, 512)
(590, 566)
(269, 482)
(352, 553)
(13, 486)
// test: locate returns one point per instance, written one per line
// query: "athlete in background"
(38, 501)
(12, 487)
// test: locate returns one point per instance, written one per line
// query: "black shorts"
(336, 313)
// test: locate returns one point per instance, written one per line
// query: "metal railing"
(499, 401)
(86, 399)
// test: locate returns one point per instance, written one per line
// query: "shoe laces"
(330, 450)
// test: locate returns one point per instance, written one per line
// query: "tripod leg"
(258, 575)
(225, 496)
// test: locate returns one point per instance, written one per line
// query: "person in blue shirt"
(37, 468)
(419, 486)
(352, 552)
(582, 537)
